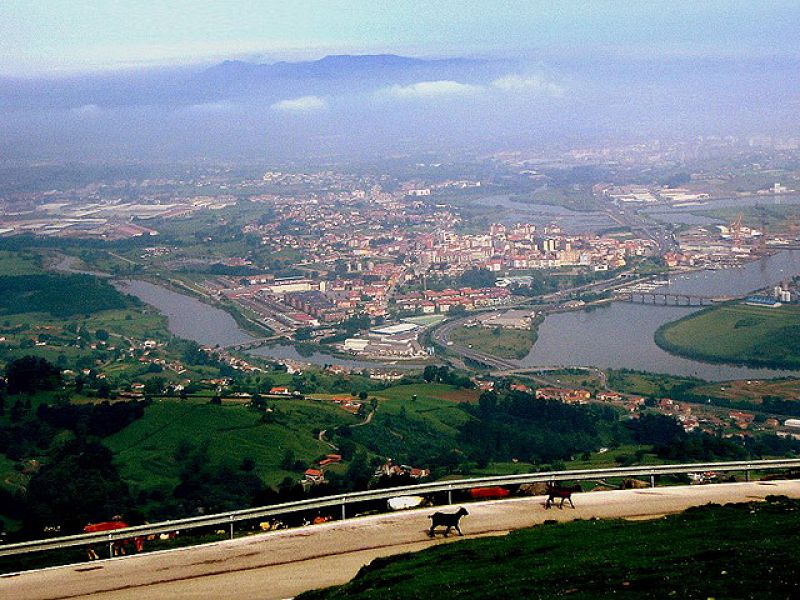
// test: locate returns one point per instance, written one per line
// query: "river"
(620, 335)
(191, 319)
(187, 317)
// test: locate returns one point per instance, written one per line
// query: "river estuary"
(194, 320)
(619, 335)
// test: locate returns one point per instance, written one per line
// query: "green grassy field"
(506, 343)
(595, 460)
(436, 403)
(145, 449)
(122, 324)
(737, 333)
(425, 320)
(650, 384)
(574, 379)
(19, 263)
(413, 430)
(752, 390)
(731, 551)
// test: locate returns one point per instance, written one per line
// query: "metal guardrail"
(228, 519)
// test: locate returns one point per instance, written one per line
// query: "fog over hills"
(360, 105)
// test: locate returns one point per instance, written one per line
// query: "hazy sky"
(568, 72)
(65, 36)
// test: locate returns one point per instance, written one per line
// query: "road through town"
(285, 563)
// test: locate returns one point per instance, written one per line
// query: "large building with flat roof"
(397, 329)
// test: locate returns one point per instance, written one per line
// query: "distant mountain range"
(331, 73)
(338, 65)
(235, 79)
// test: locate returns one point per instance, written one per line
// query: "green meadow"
(506, 343)
(145, 451)
(737, 333)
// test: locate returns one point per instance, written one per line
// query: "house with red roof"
(314, 476)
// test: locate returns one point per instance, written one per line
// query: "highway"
(283, 564)
(631, 217)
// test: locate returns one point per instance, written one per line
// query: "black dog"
(448, 520)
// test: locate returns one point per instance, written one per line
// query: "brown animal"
(555, 490)
(448, 520)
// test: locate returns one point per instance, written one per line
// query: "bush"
(30, 374)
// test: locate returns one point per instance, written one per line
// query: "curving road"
(285, 563)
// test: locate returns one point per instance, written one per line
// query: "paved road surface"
(282, 564)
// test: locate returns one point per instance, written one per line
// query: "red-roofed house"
(315, 476)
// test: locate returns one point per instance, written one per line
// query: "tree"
(359, 472)
(303, 334)
(17, 411)
(258, 402)
(487, 403)
(457, 310)
(154, 386)
(477, 278)
(347, 447)
(658, 430)
(429, 374)
(289, 460)
(30, 374)
(205, 487)
(362, 395)
(103, 390)
(77, 486)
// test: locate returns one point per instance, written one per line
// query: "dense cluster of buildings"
(432, 301)
(522, 247)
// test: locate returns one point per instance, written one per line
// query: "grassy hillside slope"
(732, 551)
(145, 450)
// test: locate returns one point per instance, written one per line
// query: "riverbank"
(614, 335)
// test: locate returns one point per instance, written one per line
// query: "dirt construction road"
(282, 564)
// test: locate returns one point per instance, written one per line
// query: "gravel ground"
(282, 564)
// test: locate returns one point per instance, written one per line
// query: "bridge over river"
(671, 298)
(254, 343)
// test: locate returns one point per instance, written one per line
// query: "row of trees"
(443, 374)
(31, 374)
(511, 425)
